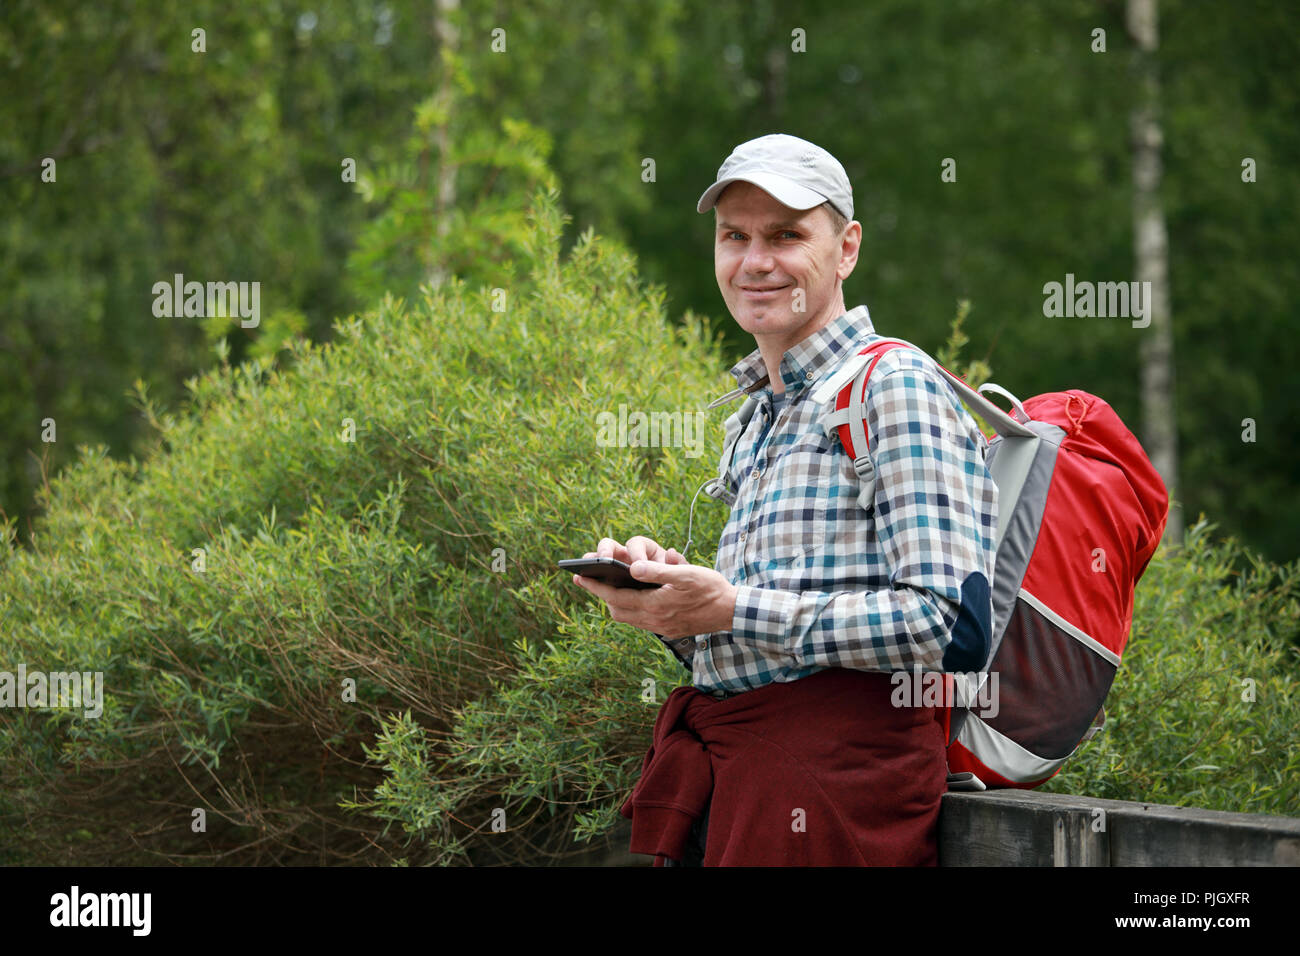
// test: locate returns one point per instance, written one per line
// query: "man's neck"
(773, 348)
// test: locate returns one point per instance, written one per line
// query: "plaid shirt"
(822, 582)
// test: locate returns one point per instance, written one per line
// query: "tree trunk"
(1151, 256)
(774, 85)
(445, 30)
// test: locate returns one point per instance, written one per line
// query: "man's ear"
(850, 245)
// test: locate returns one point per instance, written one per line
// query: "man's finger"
(641, 548)
(661, 572)
(609, 548)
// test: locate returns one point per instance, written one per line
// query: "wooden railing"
(1026, 828)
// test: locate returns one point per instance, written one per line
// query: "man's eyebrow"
(770, 227)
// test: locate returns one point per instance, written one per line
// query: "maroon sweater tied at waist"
(821, 771)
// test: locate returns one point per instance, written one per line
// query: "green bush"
(373, 560)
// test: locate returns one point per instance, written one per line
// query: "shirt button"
(703, 644)
(808, 374)
(758, 473)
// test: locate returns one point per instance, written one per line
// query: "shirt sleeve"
(935, 511)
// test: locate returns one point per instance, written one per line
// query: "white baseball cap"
(793, 171)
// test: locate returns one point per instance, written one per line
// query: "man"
(787, 749)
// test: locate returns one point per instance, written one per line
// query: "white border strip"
(1097, 648)
(1003, 755)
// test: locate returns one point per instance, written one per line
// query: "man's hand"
(692, 600)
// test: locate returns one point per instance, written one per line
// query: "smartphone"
(608, 571)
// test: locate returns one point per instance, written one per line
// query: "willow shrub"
(378, 660)
(417, 561)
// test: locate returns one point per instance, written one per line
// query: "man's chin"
(763, 317)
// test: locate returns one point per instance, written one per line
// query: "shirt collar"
(805, 361)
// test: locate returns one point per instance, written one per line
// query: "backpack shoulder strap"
(848, 413)
(847, 416)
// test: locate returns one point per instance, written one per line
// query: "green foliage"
(974, 373)
(422, 235)
(227, 165)
(222, 166)
(1204, 708)
(371, 560)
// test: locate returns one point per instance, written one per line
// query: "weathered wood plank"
(1020, 828)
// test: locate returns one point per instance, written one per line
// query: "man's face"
(779, 268)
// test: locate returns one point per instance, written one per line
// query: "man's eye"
(789, 234)
(735, 235)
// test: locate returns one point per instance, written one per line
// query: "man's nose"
(758, 258)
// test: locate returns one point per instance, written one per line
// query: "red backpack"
(1081, 510)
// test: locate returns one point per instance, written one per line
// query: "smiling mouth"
(762, 290)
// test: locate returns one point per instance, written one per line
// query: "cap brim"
(784, 191)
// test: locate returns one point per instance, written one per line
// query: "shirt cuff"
(763, 616)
